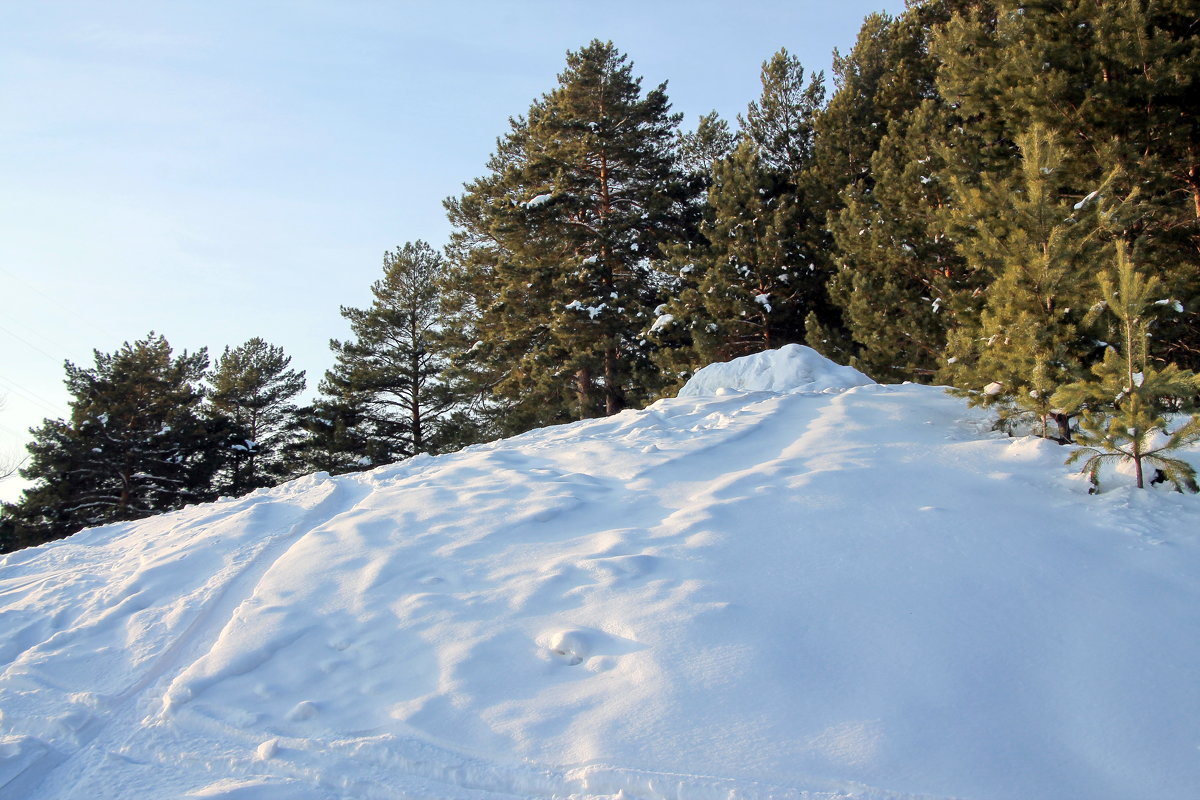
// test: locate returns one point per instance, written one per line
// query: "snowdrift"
(791, 368)
(849, 591)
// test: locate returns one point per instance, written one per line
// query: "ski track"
(56, 774)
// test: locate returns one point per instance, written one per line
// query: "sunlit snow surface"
(829, 593)
(791, 368)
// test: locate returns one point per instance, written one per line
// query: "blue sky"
(216, 170)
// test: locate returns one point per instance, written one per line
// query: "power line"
(30, 395)
(30, 344)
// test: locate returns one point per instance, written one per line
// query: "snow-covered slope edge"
(853, 594)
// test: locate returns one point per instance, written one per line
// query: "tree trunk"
(414, 341)
(613, 399)
(583, 391)
(1194, 177)
(1064, 428)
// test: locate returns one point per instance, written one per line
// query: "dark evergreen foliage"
(333, 436)
(554, 250)
(137, 443)
(253, 389)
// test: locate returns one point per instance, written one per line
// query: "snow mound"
(815, 595)
(791, 368)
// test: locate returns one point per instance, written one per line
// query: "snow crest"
(791, 368)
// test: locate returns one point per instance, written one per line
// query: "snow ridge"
(849, 591)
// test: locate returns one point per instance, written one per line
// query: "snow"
(541, 199)
(592, 311)
(661, 322)
(816, 590)
(1089, 198)
(791, 368)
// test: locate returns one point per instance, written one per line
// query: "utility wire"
(30, 395)
(30, 344)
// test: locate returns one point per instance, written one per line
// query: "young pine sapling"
(1126, 409)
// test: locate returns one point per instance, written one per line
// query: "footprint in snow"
(305, 709)
(570, 646)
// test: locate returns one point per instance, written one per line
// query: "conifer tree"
(888, 73)
(699, 149)
(753, 284)
(252, 387)
(333, 436)
(1126, 405)
(1117, 83)
(555, 248)
(136, 442)
(780, 122)
(758, 269)
(898, 275)
(878, 177)
(1037, 251)
(389, 371)
(699, 152)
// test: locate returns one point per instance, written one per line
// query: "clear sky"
(215, 170)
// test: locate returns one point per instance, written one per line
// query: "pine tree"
(897, 273)
(555, 249)
(389, 371)
(334, 437)
(1037, 251)
(1126, 406)
(136, 442)
(780, 122)
(878, 176)
(252, 387)
(1118, 84)
(757, 270)
(752, 282)
(699, 149)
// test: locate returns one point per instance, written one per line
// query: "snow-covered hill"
(833, 592)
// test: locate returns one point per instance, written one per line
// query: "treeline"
(151, 430)
(955, 207)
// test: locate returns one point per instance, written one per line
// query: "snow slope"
(838, 592)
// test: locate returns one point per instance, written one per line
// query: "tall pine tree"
(879, 174)
(747, 285)
(390, 371)
(555, 248)
(758, 269)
